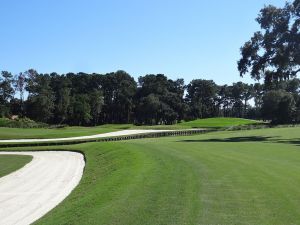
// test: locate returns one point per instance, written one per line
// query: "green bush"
(21, 123)
(279, 106)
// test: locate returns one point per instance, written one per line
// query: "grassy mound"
(219, 122)
(11, 163)
(217, 178)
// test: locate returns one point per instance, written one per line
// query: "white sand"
(29, 193)
(111, 134)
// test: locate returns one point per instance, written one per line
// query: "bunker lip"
(29, 193)
(110, 134)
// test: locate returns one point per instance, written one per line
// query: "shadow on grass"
(235, 139)
(295, 141)
(263, 139)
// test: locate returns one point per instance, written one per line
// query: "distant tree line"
(93, 99)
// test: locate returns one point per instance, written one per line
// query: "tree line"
(93, 99)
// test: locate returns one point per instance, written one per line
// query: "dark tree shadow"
(264, 139)
(295, 141)
(235, 139)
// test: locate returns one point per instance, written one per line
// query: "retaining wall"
(110, 139)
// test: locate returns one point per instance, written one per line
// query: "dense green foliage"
(279, 106)
(159, 100)
(273, 52)
(20, 123)
(243, 177)
(11, 163)
(94, 99)
(6, 92)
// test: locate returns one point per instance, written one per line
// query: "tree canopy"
(273, 53)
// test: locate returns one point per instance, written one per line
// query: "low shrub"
(21, 123)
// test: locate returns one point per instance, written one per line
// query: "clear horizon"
(181, 39)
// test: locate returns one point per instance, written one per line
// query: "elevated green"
(11, 163)
(219, 122)
(244, 177)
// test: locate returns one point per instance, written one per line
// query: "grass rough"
(11, 163)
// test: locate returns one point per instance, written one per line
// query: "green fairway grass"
(236, 177)
(21, 133)
(11, 163)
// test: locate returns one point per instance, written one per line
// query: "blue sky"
(187, 39)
